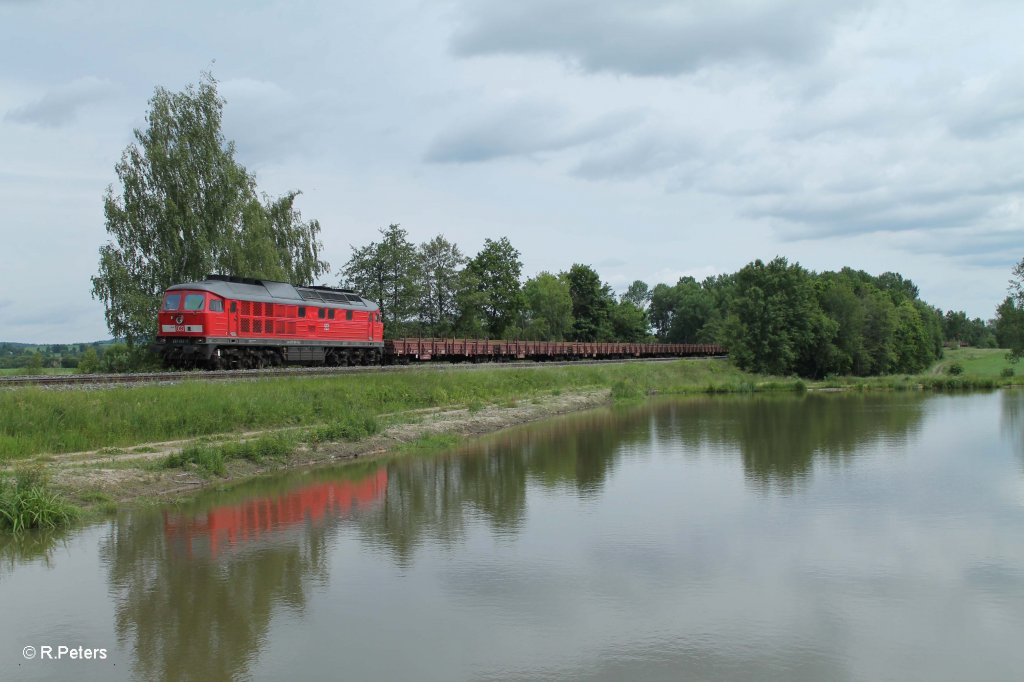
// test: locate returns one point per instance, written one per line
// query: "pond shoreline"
(98, 482)
(93, 449)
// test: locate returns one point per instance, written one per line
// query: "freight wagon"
(233, 322)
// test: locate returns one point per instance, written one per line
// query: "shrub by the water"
(27, 503)
(955, 369)
(627, 389)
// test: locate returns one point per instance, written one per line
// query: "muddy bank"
(137, 474)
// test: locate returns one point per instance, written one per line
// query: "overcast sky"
(650, 139)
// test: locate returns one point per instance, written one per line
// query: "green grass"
(977, 362)
(353, 427)
(213, 458)
(916, 382)
(17, 371)
(36, 421)
(27, 503)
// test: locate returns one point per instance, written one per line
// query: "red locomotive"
(235, 322)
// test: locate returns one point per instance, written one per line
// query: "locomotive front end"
(187, 317)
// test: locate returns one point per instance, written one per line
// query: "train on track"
(227, 322)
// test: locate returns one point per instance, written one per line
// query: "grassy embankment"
(961, 369)
(37, 426)
(40, 424)
(37, 421)
(979, 362)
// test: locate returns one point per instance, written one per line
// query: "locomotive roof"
(266, 291)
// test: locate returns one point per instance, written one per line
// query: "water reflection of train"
(265, 518)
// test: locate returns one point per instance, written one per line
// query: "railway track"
(111, 380)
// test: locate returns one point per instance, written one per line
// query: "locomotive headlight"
(178, 319)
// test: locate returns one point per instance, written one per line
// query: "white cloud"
(60, 105)
(661, 136)
(650, 37)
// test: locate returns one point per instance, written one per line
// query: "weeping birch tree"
(186, 207)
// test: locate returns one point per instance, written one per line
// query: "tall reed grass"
(27, 503)
(34, 420)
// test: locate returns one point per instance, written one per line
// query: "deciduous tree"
(185, 208)
(591, 304)
(1010, 316)
(440, 262)
(548, 307)
(388, 272)
(494, 274)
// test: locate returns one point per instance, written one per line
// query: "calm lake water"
(825, 537)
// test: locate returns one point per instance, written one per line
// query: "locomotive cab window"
(302, 311)
(348, 314)
(217, 306)
(172, 301)
(330, 314)
(194, 302)
(234, 306)
(320, 313)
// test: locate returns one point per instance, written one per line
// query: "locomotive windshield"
(172, 301)
(194, 301)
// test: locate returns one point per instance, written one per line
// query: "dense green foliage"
(549, 303)
(591, 304)
(774, 317)
(959, 329)
(779, 318)
(440, 261)
(69, 358)
(186, 208)
(1009, 323)
(388, 272)
(494, 288)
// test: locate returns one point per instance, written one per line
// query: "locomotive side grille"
(269, 309)
(257, 309)
(280, 327)
(245, 325)
(257, 326)
(246, 308)
(290, 328)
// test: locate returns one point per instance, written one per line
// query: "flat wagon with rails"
(403, 351)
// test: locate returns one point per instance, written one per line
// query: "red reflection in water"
(248, 521)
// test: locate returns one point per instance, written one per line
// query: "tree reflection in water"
(429, 500)
(779, 437)
(195, 589)
(1012, 418)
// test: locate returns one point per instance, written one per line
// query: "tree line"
(774, 317)
(86, 358)
(433, 289)
(186, 207)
